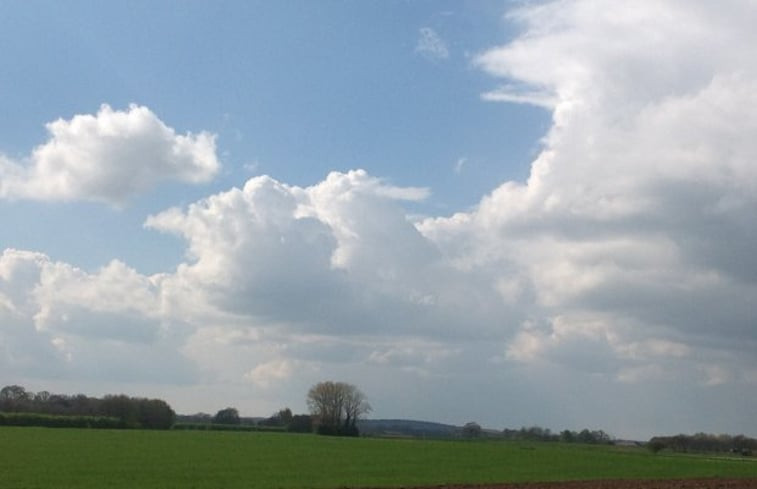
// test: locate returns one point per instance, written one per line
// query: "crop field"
(88, 458)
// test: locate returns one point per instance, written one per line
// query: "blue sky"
(292, 90)
(457, 206)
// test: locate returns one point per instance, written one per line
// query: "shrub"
(301, 423)
(655, 445)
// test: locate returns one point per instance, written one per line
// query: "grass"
(70, 458)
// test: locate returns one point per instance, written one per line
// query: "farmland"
(71, 458)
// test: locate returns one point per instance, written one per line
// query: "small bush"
(301, 423)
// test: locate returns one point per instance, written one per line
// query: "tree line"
(335, 408)
(228, 419)
(704, 442)
(537, 433)
(22, 407)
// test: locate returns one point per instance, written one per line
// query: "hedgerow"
(54, 421)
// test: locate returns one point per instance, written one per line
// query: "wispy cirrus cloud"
(430, 45)
(460, 164)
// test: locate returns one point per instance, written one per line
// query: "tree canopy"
(132, 412)
(228, 415)
(336, 407)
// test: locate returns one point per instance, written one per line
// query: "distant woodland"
(20, 407)
(335, 409)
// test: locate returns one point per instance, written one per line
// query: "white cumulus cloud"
(342, 250)
(265, 374)
(635, 224)
(59, 321)
(108, 157)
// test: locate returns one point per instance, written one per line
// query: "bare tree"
(336, 407)
(355, 406)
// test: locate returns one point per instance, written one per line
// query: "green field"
(71, 458)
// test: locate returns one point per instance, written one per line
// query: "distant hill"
(407, 428)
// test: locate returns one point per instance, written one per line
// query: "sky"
(510, 212)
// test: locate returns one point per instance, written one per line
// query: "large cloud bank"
(626, 259)
(636, 227)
